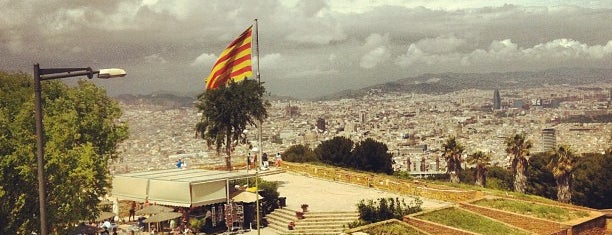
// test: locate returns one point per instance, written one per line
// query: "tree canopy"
(336, 151)
(81, 134)
(452, 154)
(371, 155)
(227, 111)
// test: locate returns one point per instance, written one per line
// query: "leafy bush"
(300, 153)
(371, 211)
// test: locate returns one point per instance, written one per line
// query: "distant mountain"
(158, 98)
(167, 99)
(448, 82)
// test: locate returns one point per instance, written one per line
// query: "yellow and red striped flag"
(234, 63)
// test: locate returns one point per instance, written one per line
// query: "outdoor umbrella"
(153, 209)
(83, 228)
(104, 215)
(163, 216)
(245, 196)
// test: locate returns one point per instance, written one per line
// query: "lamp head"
(111, 73)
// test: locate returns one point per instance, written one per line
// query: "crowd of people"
(265, 161)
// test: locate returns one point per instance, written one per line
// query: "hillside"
(449, 82)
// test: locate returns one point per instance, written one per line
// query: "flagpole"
(259, 134)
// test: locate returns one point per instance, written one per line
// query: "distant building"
(321, 124)
(496, 100)
(549, 139)
(363, 117)
(291, 111)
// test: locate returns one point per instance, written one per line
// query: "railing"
(383, 182)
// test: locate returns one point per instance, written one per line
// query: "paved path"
(324, 195)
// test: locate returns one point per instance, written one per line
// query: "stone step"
(319, 223)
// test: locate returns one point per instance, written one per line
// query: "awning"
(176, 187)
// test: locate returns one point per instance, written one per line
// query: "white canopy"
(176, 187)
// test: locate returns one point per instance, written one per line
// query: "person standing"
(132, 211)
(248, 166)
(264, 159)
(279, 160)
(179, 163)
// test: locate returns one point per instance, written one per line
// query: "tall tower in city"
(321, 124)
(549, 139)
(496, 100)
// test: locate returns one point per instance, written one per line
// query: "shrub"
(371, 211)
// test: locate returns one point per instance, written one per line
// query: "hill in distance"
(439, 83)
(448, 82)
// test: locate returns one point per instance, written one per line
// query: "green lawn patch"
(465, 220)
(548, 212)
(392, 229)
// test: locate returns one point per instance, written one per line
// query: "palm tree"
(452, 155)
(561, 166)
(518, 147)
(481, 160)
(227, 111)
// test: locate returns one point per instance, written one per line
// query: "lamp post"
(50, 74)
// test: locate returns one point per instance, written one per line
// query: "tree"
(227, 111)
(540, 180)
(81, 135)
(591, 185)
(499, 178)
(518, 147)
(452, 155)
(299, 153)
(371, 155)
(336, 151)
(481, 162)
(561, 165)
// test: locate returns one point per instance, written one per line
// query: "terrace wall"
(384, 182)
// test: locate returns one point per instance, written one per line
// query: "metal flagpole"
(259, 134)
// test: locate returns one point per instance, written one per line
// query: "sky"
(307, 48)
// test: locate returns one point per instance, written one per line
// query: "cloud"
(270, 60)
(155, 59)
(344, 44)
(504, 52)
(377, 51)
(204, 59)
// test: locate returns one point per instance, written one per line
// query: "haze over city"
(307, 48)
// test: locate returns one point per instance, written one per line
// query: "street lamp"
(50, 74)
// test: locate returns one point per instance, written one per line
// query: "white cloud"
(374, 57)
(155, 59)
(270, 60)
(377, 49)
(319, 32)
(204, 59)
(440, 45)
(503, 52)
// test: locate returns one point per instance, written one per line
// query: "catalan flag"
(234, 63)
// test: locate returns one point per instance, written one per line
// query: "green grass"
(465, 220)
(392, 229)
(533, 209)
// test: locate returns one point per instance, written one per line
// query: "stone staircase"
(316, 223)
